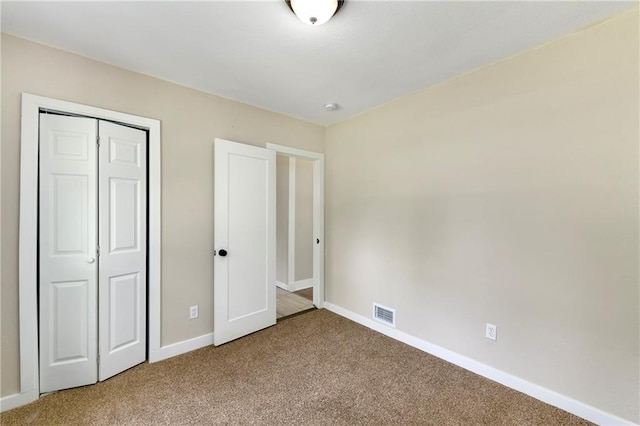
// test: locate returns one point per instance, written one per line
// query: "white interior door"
(123, 247)
(245, 240)
(67, 253)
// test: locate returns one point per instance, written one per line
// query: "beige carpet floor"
(311, 369)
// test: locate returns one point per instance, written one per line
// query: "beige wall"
(282, 219)
(508, 195)
(190, 122)
(304, 219)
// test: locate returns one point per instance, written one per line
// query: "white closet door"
(68, 267)
(123, 247)
(245, 228)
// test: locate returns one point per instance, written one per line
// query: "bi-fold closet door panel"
(123, 248)
(92, 250)
(68, 239)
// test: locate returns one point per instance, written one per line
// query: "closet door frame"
(28, 231)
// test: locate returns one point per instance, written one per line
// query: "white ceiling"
(259, 53)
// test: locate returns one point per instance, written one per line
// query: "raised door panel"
(125, 152)
(68, 319)
(248, 210)
(123, 311)
(124, 220)
(69, 145)
(69, 219)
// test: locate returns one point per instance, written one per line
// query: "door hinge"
(98, 141)
(98, 251)
(98, 359)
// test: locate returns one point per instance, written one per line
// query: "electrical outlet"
(193, 312)
(491, 332)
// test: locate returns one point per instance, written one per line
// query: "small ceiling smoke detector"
(331, 107)
(314, 12)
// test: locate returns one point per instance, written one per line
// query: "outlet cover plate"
(491, 332)
(193, 312)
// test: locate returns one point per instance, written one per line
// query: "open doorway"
(299, 238)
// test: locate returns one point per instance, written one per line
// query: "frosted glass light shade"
(314, 12)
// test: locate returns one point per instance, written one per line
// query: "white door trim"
(28, 255)
(318, 214)
(291, 233)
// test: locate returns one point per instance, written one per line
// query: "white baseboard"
(16, 400)
(302, 284)
(296, 285)
(548, 396)
(181, 347)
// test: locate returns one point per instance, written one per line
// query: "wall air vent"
(384, 315)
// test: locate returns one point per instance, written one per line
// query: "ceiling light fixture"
(314, 12)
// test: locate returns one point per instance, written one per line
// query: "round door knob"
(91, 260)
(222, 252)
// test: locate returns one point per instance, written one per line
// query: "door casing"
(28, 231)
